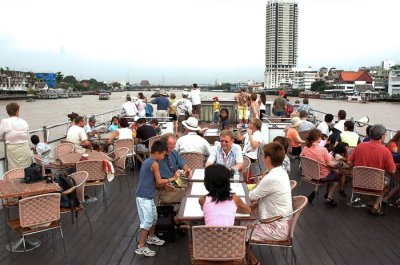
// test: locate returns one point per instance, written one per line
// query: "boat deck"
(323, 236)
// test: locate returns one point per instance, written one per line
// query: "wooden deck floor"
(324, 236)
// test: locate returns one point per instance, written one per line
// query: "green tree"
(59, 77)
(318, 86)
(70, 79)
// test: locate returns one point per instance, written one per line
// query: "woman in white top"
(15, 132)
(274, 198)
(141, 105)
(122, 133)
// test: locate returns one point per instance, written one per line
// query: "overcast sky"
(186, 41)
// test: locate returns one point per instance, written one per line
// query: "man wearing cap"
(226, 153)
(279, 106)
(91, 133)
(129, 108)
(162, 104)
(216, 108)
(192, 142)
(195, 96)
(183, 109)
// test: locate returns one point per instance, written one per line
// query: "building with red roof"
(355, 82)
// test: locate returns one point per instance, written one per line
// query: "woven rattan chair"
(298, 204)
(119, 161)
(368, 181)
(213, 244)
(151, 140)
(193, 159)
(38, 214)
(127, 143)
(293, 184)
(51, 165)
(63, 148)
(97, 176)
(80, 178)
(311, 173)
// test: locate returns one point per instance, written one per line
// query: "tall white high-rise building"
(280, 42)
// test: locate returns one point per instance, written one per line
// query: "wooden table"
(72, 158)
(198, 176)
(198, 189)
(14, 188)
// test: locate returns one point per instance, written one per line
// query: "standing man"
(129, 108)
(195, 96)
(162, 104)
(183, 110)
(15, 132)
(279, 106)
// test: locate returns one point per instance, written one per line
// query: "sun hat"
(163, 93)
(215, 97)
(185, 93)
(191, 124)
(295, 122)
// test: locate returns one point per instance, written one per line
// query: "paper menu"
(198, 189)
(193, 208)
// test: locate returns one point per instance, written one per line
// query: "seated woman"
(314, 151)
(393, 146)
(224, 119)
(252, 139)
(123, 133)
(294, 137)
(273, 196)
(220, 205)
(285, 143)
(114, 124)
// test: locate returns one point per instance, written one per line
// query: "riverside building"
(281, 42)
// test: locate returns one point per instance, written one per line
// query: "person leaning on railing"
(15, 132)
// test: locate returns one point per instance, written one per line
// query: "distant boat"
(356, 99)
(30, 100)
(104, 96)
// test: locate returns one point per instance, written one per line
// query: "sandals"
(342, 193)
(376, 212)
(331, 202)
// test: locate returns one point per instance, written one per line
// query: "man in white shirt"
(192, 142)
(195, 96)
(77, 135)
(252, 139)
(129, 108)
(341, 120)
(183, 107)
(324, 126)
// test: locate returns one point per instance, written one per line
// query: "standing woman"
(15, 132)
(141, 105)
(262, 102)
(172, 111)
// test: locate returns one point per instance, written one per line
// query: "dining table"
(72, 158)
(198, 176)
(14, 188)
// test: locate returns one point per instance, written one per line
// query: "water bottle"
(236, 175)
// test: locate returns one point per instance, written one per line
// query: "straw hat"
(163, 93)
(191, 124)
(295, 122)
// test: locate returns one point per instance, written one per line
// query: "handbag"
(33, 173)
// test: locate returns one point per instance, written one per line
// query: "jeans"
(216, 117)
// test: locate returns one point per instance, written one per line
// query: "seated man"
(374, 154)
(348, 136)
(156, 127)
(168, 166)
(191, 142)
(129, 108)
(77, 135)
(91, 132)
(305, 125)
(227, 153)
(252, 139)
(143, 133)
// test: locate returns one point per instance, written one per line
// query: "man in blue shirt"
(162, 104)
(168, 166)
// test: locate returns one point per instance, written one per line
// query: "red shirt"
(373, 154)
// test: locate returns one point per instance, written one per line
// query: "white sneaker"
(145, 251)
(155, 241)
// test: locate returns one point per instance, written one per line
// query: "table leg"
(18, 245)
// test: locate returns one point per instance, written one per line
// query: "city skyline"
(186, 41)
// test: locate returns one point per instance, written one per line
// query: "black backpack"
(66, 182)
(33, 173)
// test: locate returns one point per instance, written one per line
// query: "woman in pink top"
(220, 205)
(314, 151)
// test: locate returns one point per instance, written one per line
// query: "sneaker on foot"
(155, 241)
(145, 251)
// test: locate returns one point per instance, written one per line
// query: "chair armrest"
(271, 220)
(68, 191)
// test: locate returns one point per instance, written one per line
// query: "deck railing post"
(5, 157)
(45, 140)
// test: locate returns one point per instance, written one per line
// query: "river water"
(49, 112)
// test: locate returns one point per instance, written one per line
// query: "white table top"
(167, 127)
(211, 132)
(193, 208)
(198, 189)
(198, 174)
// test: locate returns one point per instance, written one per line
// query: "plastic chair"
(298, 204)
(311, 173)
(38, 214)
(219, 244)
(129, 143)
(80, 178)
(368, 181)
(193, 159)
(97, 176)
(119, 161)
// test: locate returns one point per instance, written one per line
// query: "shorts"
(173, 116)
(147, 212)
(196, 109)
(243, 113)
(331, 177)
